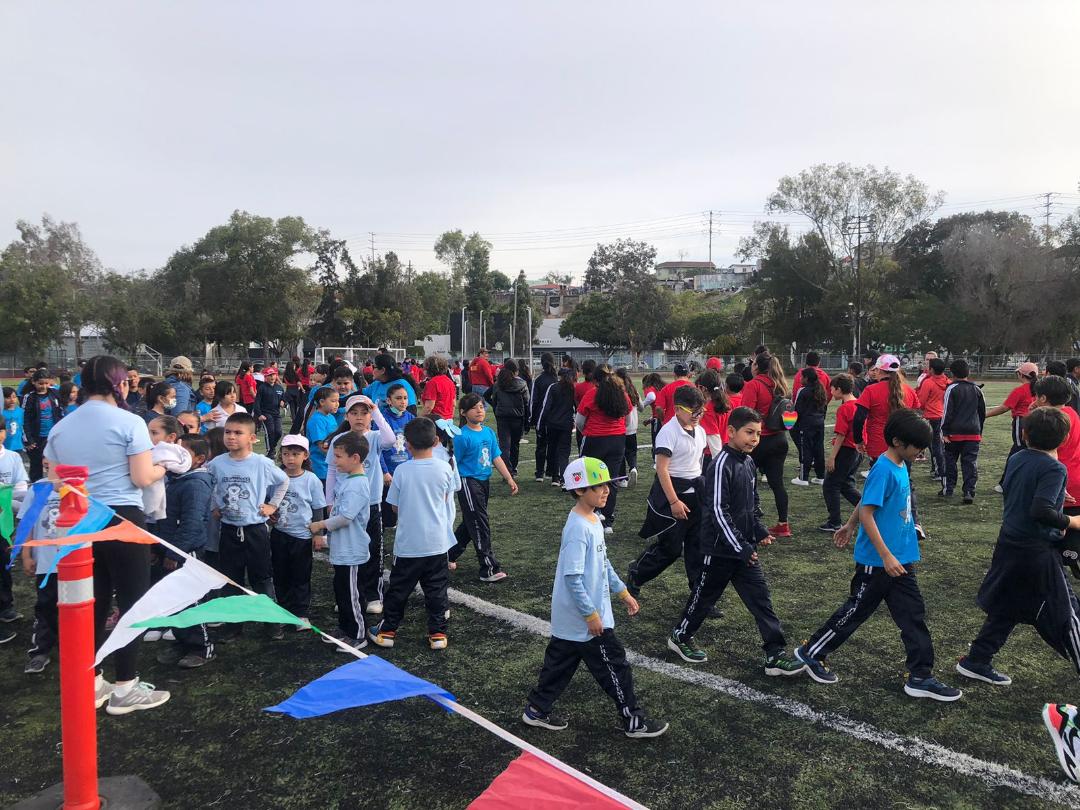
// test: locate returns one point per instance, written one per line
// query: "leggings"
(123, 568)
(769, 456)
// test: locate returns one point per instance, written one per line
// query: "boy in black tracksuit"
(267, 409)
(962, 427)
(1026, 582)
(540, 385)
(39, 402)
(730, 533)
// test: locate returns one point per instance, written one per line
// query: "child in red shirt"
(843, 462)
(932, 395)
(1018, 403)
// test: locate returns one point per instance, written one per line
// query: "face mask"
(396, 411)
(169, 404)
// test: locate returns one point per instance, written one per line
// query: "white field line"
(992, 774)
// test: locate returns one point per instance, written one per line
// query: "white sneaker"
(609, 530)
(865, 473)
(498, 576)
(998, 489)
(622, 484)
(523, 441)
(800, 482)
(168, 635)
(633, 476)
(141, 695)
(102, 690)
(818, 481)
(152, 635)
(375, 607)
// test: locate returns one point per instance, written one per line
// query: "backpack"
(781, 415)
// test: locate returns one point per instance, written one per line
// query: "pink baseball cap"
(358, 399)
(1027, 369)
(296, 440)
(887, 362)
(715, 363)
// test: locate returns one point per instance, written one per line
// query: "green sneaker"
(686, 650)
(780, 664)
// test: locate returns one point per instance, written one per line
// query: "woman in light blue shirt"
(114, 445)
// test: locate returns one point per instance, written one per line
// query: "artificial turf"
(213, 746)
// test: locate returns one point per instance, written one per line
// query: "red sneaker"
(781, 530)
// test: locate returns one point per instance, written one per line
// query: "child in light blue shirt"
(348, 539)
(37, 562)
(582, 624)
(420, 493)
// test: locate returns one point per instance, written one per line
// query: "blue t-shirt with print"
(349, 544)
(45, 528)
(304, 496)
(397, 454)
(475, 451)
(584, 580)
(422, 490)
(46, 412)
(888, 487)
(202, 409)
(241, 486)
(319, 428)
(14, 419)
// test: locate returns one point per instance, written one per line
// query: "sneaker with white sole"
(999, 491)
(632, 476)
(350, 644)
(818, 481)
(815, 667)
(141, 695)
(498, 576)
(931, 687)
(7, 635)
(437, 641)
(539, 479)
(799, 482)
(36, 664)
(375, 608)
(981, 672)
(686, 649)
(8, 615)
(776, 665)
(534, 717)
(640, 727)
(1060, 721)
(380, 637)
(609, 530)
(102, 690)
(152, 635)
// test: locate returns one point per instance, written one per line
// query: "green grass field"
(212, 746)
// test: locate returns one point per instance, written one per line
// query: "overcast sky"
(538, 124)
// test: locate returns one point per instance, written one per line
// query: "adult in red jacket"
(769, 382)
(481, 374)
(246, 385)
(601, 421)
(1018, 403)
(887, 391)
(932, 396)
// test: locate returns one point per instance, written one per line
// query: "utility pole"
(1047, 205)
(371, 235)
(857, 225)
(710, 226)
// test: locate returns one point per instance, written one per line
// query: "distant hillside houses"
(705, 276)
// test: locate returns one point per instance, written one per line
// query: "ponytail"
(711, 386)
(895, 381)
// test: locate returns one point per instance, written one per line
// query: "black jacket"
(268, 399)
(811, 414)
(556, 410)
(187, 510)
(541, 383)
(512, 402)
(964, 410)
(32, 413)
(730, 526)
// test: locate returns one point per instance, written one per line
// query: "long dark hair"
(221, 388)
(567, 380)
(507, 374)
(467, 403)
(610, 394)
(547, 362)
(102, 376)
(388, 364)
(245, 367)
(812, 384)
(156, 392)
(710, 385)
(524, 371)
(290, 374)
(628, 384)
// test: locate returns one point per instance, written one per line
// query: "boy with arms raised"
(582, 624)
(886, 551)
(731, 531)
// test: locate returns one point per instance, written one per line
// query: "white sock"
(121, 688)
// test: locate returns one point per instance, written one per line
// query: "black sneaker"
(829, 528)
(641, 727)
(534, 717)
(981, 672)
(780, 664)
(277, 632)
(36, 664)
(968, 500)
(932, 688)
(8, 615)
(194, 660)
(170, 656)
(686, 649)
(815, 668)
(946, 493)
(714, 612)
(6, 635)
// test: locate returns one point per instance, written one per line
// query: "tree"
(57, 248)
(595, 321)
(621, 261)
(131, 310)
(468, 259)
(329, 327)
(643, 312)
(699, 320)
(557, 278)
(500, 281)
(31, 315)
(245, 276)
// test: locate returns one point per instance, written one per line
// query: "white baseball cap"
(296, 440)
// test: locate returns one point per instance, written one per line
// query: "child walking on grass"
(582, 623)
(886, 551)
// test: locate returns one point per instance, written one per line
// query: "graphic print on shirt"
(485, 456)
(399, 453)
(289, 506)
(237, 490)
(51, 514)
(905, 513)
